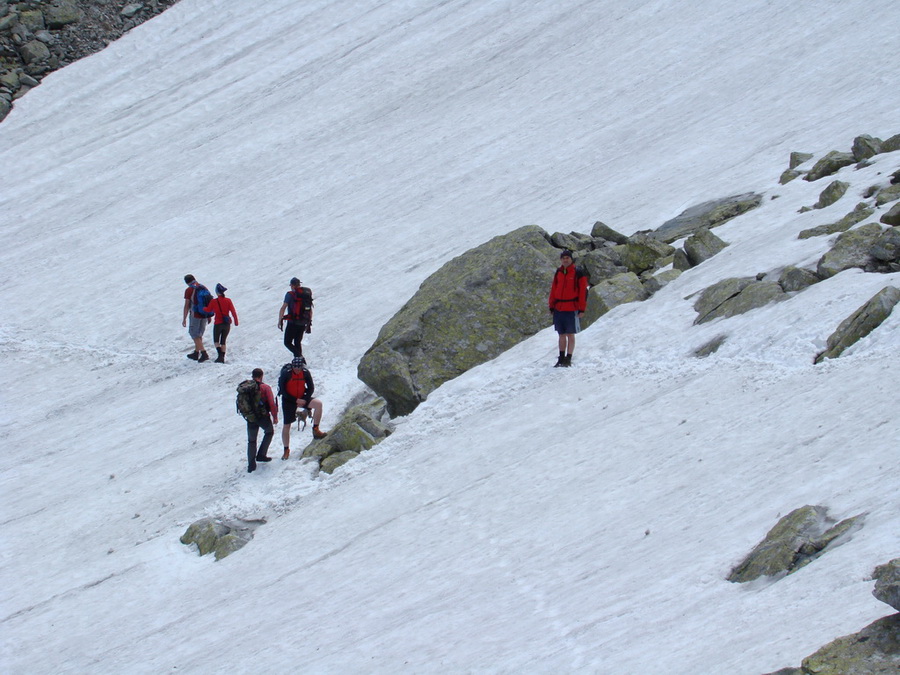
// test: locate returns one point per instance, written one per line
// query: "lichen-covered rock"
(710, 347)
(602, 263)
(892, 217)
(222, 538)
(714, 296)
(660, 280)
(828, 196)
(865, 146)
(888, 194)
(34, 51)
(574, 241)
(892, 144)
(830, 164)
(709, 214)
(788, 175)
(852, 249)
(61, 13)
(642, 251)
(875, 650)
(680, 260)
(862, 322)
(702, 245)
(887, 583)
(360, 428)
(860, 212)
(603, 231)
(338, 459)
(798, 158)
(731, 297)
(797, 539)
(887, 247)
(609, 293)
(793, 279)
(473, 308)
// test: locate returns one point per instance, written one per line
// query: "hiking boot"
(221, 357)
(560, 362)
(263, 459)
(251, 468)
(194, 355)
(203, 357)
(567, 361)
(317, 433)
(287, 453)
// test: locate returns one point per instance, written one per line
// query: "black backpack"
(300, 305)
(249, 401)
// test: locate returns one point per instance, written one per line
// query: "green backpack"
(249, 401)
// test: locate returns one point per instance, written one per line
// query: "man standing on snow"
(295, 386)
(568, 300)
(263, 422)
(297, 308)
(193, 304)
(224, 310)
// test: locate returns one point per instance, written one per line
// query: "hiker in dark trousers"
(255, 455)
(295, 386)
(297, 310)
(568, 300)
(224, 310)
(198, 321)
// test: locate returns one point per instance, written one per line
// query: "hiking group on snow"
(255, 400)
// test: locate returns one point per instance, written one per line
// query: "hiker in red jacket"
(224, 311)
(270, 409)
(295, 386)
(568, 300)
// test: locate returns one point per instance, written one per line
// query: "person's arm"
(187, 308)
(281, 315)
(582, 294)
(269, 399)
(233, 312)
(310, 387)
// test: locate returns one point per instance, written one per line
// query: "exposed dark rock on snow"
(710, 347)
(852, 249)
(892, 217)
(831, 194)
(856, 216)
(830, 164)
(734, 296)
(887, 583)
(709, 214)
(360, 428)
(794, 279)
(41, 36)
(701, 246)
(862, 322)
(220, 537)
(796, 540)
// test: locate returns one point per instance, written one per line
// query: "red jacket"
(568, 292)
(222, 306)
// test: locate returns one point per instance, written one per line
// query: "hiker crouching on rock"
(295, 386)
(568, 300)
(224, 310)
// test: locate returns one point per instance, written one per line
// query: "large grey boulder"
(660, 280)
(887, 247)
(360, 428)
(875, 650)
(731, 297)
(609, 293)
(603, 231)
(708, 214)
(887, 194)
(702, 245)
(472, 309)
(796, 540)
(866, 146)
(860, 212)
(642, 252)
(830, 164)
(601, 263)
(61, 13)
(852, 249)
(828, 196)
(862, 322)
(892, 217)
(887, 583)
(793, 279)
(892, 144)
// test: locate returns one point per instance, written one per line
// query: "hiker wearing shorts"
(568, 300)
(295, 386)
(197, 321)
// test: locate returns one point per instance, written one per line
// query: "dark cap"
(295, 281)
(565, 253)
(220, 289)
(298, 362)
(188, 278)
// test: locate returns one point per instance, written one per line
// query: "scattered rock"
(852, 249)
(794, 279)
(887, 583)
(796, 540)
(892, 217)
(602, 231)
(609, 293)
(710, 347)
(642, 251)
(798, 158)
(887, 195)
(659, 281)
(734, 296)
(831, 194)
(875, 650)
(212, 535)
(702, 245)
(363, 426)
(862, 322)
(857, 215)
(831, 163)
(709, 214)
(865, 147)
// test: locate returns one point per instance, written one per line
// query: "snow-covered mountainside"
(522, 519)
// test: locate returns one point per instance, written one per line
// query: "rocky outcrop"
(796, 159)
(796, 540)
(887, 583)
(709, 214)
(830, 164)
(852, 249)
(734, 296)
(701, 246)
(220, 537)
(609, 293)
(892, 217)
(360, 428)
(41, 36)
(862, 322)
(860, 212)
(795, 279)
(865, 146)
(641, 252)
(472, 309)
(834, 191)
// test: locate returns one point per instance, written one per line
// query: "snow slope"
(523, 519)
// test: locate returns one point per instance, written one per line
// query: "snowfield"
(523, 519)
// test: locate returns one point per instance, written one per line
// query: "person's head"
(295, 282)
(220, 289)
(189, 279)
(257, 374)
(298, 363)
(566, 258)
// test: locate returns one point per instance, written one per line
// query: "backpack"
(300, 305)
(202, 297)
(284, 376)
(583, 272)
(249, 401)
